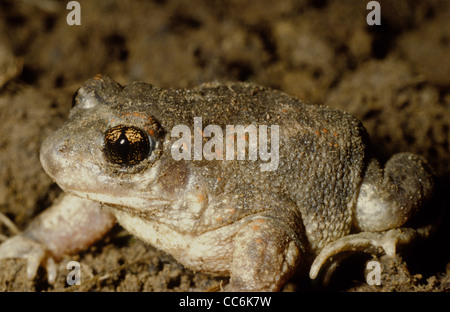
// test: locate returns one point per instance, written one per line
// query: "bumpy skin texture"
(223, 216)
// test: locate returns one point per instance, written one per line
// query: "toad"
(118, 158)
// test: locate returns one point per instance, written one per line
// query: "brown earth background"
(394, 77)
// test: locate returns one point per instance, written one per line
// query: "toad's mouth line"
(147, 203)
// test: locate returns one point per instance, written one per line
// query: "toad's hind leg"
(386, 200)
(265, 256)
(389, 197)
(368, 242)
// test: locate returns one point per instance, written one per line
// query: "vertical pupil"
(122, 145)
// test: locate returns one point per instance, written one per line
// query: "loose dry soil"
(394, 77)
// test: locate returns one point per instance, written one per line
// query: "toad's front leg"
(70, 225)
(264, 258)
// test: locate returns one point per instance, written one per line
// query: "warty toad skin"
(113, 159)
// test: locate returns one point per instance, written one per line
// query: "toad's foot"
(69, 226)
(35, 253)
(368, 242)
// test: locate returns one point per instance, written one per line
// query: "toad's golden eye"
(127, 146)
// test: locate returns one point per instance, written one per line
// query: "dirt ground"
(395, 77)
